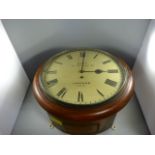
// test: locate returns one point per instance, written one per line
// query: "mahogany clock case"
(89, 119)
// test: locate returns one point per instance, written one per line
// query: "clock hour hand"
(97, 71)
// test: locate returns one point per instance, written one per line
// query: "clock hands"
(98, 71)
(83, 54)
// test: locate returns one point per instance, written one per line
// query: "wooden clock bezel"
(84, 114)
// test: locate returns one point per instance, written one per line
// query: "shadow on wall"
(32, 64)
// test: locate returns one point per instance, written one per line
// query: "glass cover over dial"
(82, 77)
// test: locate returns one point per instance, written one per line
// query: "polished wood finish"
(88, 127)
(84, 120)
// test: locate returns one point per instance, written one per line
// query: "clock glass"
(82, 77)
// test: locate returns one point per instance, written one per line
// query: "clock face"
(82, 77)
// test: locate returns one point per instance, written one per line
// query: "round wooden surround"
(84, 120)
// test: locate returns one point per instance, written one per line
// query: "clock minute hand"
(83, 59)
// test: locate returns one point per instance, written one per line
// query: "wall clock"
(83, 89)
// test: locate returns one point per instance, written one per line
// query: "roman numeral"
(69, 57)
(62, 92)
(57, 62)
(82, 54)
(107, 61)
(99, 92)
(112, 71)
(51, 72)
(110, 82)
(52, 82)
(80, 97)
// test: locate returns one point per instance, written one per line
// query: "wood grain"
(85, 120)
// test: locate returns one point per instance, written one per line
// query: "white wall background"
(13, 83)
(144, 74)
(36, 40)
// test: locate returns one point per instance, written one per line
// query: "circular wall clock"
(83, 89)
